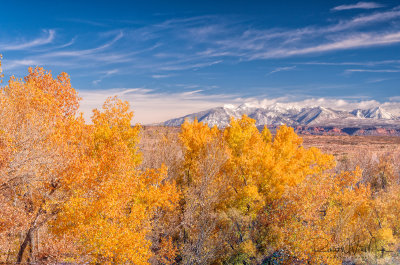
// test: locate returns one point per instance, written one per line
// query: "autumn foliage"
(79, 192)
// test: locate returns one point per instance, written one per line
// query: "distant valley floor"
(338, 145)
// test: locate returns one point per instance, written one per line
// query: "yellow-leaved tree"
(249, 197)
(260, 171)
(202, 184)
(111, 202)
(73, 190)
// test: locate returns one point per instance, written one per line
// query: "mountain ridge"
(307, 117)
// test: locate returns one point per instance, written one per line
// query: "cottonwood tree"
(111, 202)
(36, 115)
(261, 170)
(202, 185)
(247, 195)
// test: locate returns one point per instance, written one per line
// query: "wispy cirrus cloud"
(183, 44)
(162, 76)
(372, 70)
(77, 53)
(225, 38)
(111, 72)
(254, 39)
(203, 47)
(12, 64)
(49, 38)
(85, 21)
(281, 69)
(105, 74)
(63, 55)
(359, 5)
(361, 63)
(189, 65)
(363, 20)
(376, 80)
(358, 40)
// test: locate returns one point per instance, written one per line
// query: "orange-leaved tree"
(36, 115)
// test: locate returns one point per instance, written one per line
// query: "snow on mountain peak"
(229, 106)
(378, 113)
(275, 113)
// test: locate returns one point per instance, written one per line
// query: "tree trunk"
(24, 245)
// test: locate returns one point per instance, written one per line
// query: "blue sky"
(170, 58)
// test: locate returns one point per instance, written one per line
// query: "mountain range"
(302, 118)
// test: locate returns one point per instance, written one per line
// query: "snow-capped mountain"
(318, 114)
(378, 113)
(373, 113)
(278, 114)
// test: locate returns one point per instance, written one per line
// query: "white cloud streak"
(111, 72)
(281, 69)
(12, 64)
(366, 63)
(189, 66)
(372, 71)
(78, 53)
(30, 44)
(359, 5)
(360, 40)
(161, 76)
